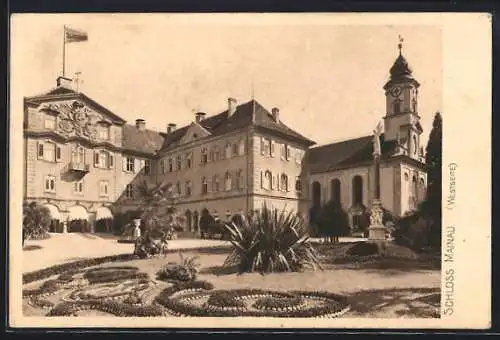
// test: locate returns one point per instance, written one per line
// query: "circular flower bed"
(110, 274)
(109, 291)
(197, 299)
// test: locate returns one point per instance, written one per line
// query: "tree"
(431, 206)
(206, 220)
(333, 221)
(36, 220)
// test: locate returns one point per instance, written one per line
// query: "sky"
(326, 75)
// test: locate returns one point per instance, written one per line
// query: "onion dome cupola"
(401, 70)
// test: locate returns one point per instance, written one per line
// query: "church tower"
(402, 122)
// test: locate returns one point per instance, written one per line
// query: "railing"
(74, 166)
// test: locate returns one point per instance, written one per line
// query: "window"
(78, 187)
(162, 166)
(267, 180)
(129, 191)
(103, 131)
(170, 165)
(50, 184)
(211, 157)
(284, 182)
(239, 179)
(335, 190)
(103, 159)
(103, 188)
(283, 151)
(298, 185)
(188, 188)
(147, 167)
(241, 147)
(228, 181)
(204, 185)
(227, 151)
(215, 183)
(357, 190)
(298, 156)
(288, 150)
(397, 106)
(178, 188)
(235, 149)
(204, 155)
(189, 160)
(415, 148)
(47, 151)
(130, 164)
(217, 154)
(50, 122)
(179, 163)
(265, 147)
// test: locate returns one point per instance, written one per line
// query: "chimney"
(140, 124)
(200, 116)
(64, 82)
(231, 106)
(171, 128)
(276, 114)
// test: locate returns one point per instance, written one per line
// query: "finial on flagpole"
(400, 45)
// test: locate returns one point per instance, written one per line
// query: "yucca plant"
(271, 241)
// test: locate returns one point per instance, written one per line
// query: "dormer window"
(50, 122)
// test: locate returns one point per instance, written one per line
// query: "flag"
(71, 35)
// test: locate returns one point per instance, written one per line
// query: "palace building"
(86, 164)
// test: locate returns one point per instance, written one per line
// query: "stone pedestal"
(377, 231)
(65, 227)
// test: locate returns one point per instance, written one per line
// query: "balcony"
(79, 167)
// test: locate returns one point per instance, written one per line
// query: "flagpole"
(64, 53)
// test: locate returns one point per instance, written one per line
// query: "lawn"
(399, 285)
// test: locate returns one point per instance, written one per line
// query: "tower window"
(397, 106)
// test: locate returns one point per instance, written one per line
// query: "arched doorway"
(103, 220)
(316, 194)
(195, 221)
(78, 219)
(55, 215)
(189, 220)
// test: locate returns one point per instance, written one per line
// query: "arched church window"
(316, 194)
(357, 190)
(335, 190)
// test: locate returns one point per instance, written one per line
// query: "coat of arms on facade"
(76, 118)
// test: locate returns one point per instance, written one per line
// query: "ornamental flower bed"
(112, 307)
(111, 274)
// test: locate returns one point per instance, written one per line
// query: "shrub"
(363, 249)
(413, 231)
(186, 270)
(224, 299)
(36, 221)
(332, 221)
(271, 242)
(110, 274)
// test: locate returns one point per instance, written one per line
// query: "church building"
(344, 171)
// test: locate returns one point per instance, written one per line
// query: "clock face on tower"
(396, 91)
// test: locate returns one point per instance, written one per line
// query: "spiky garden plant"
(271, 241)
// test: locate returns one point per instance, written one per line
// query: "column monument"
(376, 230)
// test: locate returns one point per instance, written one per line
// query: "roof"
(401, 71)
(220, 124)
(347, 153)
(62, 92)
(144, 141)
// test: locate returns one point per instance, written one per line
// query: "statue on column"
(376, 140)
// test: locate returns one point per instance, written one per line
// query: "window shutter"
(137, 165)
(262, 143)
(111, 161)
(142, 165)
(58, 153)
(278, 179)
(273, 148)
(96, 159)
(39, 150)
(261, 179)
(272, 182)
(124, 163)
